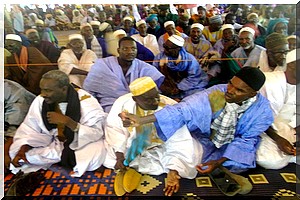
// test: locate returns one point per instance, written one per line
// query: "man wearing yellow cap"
(277, 148)
(140, 147)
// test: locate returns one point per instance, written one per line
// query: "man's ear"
(118, 50)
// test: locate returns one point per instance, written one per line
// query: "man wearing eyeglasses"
(277, 48)
(183, 73)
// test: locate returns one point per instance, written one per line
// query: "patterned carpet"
(267, 184)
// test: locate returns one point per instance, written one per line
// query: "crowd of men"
(176, 89)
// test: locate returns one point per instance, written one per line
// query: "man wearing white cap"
(128, 26)
(229, 41)
(196, 44)
(184, 75)
(248, 54)
(46, 34)
(110, 77)
(62, 20)
(213, 31)
(294, 42)
(47, 48)
(148, 40)
(177, 157)
(27, 64)
(90, 41)
(95, 26)
(170, 29)
(75, 60)
(277, 147)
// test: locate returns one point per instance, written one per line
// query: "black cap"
(252, 76)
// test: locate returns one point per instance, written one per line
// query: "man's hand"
(21, 155)
(208, 167)
(120, 159)
(57, 118)
(129, 119)
(172, 185)
(285, 146)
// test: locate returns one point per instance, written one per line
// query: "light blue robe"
(106, 80)
(195, 112)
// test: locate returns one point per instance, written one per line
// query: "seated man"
(76, 61)
(177, 156)
(62, 125)
(17, 101)
(110, 77)
(276, 149)
(26, 64)
(183, 73)
(46, 47)
(227, 125)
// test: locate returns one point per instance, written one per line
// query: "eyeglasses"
(280, 52)
(170, 48)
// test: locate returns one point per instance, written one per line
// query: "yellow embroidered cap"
(141, 85)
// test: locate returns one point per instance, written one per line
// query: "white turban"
(197, 25)
(167, 23)
(175, 39)
(291, 37)
(247, 29)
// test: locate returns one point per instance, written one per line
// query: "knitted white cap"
(247, 29)
(96, 23)
(128, 18)
(226, 26)
(197, 25)
(119, 32)
(13, 37)
(103, 26)
(175, 39)
(167, 23)
(140, 22)
(75, 36)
